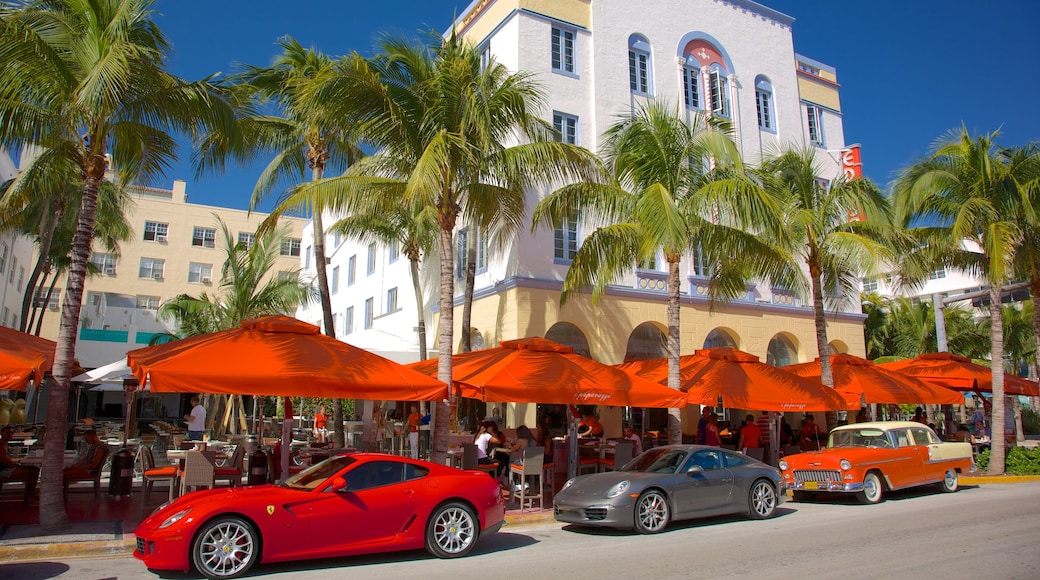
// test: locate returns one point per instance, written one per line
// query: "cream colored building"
(597, 60)
(176, 248)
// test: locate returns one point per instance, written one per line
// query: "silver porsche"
(674, 482)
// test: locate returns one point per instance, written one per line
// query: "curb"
(984, 479)
(59, 552)
(534, 519)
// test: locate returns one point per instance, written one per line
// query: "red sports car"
(360, 503)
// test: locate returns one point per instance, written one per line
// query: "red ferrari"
(360, 503)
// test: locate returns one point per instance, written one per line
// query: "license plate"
(811, 485)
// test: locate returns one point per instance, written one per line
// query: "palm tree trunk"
(996, 422)
(43, 309)
(467, 293)
(420, 306)
(317, 171)
(52, 502)
(822, 344)
(45, 236)
(445, 331)
(1034, 293)
(674, 415)
(35, 307)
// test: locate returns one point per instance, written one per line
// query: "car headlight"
(618, 489)
(783, 465)
(174, 518)
(568, 484)
(845, 464)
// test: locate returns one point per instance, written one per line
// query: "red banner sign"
(850, 163)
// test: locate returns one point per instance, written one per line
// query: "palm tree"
(440, 121)
(1027, 259)
(971, 191)
(913, 330)
(663, 199)
(86, 80)
(841, 229)
(302, 138)
(877, 328)
(395, 225)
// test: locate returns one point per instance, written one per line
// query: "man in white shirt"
(196, 420)
(637, 441)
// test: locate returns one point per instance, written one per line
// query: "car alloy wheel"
(451, 531)
(950, 482)
(871, 493)
(225, 548)
(651, 513)
(762, 500)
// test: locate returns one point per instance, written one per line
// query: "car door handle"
(409, 492)
(727, 480)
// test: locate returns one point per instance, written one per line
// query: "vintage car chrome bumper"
(830, 486)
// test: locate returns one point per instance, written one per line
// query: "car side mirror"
(694, 470)
(339, 484)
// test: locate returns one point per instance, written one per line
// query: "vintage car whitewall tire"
(872, 490)
(950, 482)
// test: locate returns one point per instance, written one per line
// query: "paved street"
(988, 531)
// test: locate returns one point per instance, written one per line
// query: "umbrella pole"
(287, 421)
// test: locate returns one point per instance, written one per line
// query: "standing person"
(413, 431)
(496, 416)
(702, 425)
(589, 426)
(320, 421)
(637, 441)
(13, 471)
(196, 419)
(764, 423)
(810, 434)
(919, 416)
(711, 431)
(750, 434)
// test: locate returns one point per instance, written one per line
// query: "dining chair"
(792, 450)
(234, 468)
(150, 473)
(527, 467)
(470, 460)
(589, 460)
(755, 452)
(549, 468)
(198, 471)
(622, 455)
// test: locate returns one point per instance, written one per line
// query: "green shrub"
(1030, 421)
(1019, 461)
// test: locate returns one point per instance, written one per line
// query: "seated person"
(637, 442)
(589, 426)
(90, 460)
(11, 470)
(962, 434)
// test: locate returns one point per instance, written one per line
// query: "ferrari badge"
(270, 510)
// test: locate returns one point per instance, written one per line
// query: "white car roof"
(884, 425)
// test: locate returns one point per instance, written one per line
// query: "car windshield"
(859, 438)
(659, 460)
(316, 475)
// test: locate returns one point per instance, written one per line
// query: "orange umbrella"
(860, 381)
(957, 372)
(742, 380)
(538, 370)
(22, 355)
(278, 356)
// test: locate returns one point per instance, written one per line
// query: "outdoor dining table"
(36, 458)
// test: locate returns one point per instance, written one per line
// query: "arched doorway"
(646, 342)
(572, 336)
(720, 337)
(781, 351)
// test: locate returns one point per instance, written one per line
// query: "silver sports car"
(675, 482)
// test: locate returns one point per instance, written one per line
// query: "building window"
(391, 300)
(700, 269)
(7, 313)
(649, 264)
(351, 269)
(815, 119)
(371, 267)
(691, 77)
(369, 303)
(334, 283)
(395, 253)
(566, 128)
(286, 275)
(151, 268)
(937, 274)
(204, 237)
(336, 238)
(155, 231)
(565, 239)
(291, 247)
(10, 275)
(639, 65)
(764, 104)
(870, 284)
(148, 302)
(307, 259)
(247, 239)
(3, 258)
(200, 273)
(485, 56)
(105, 263)
(461, 255)
(41, 300)
(719, 92)
(21, 278)
(348, 320)
(562, 50)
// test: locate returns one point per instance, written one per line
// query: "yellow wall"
(819, 93)
(491, 13)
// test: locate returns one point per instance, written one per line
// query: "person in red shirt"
(413, 431)
(321, 432)
(589, 426)
(750, 433)
(810, 434)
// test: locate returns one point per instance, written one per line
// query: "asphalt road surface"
(990, 531)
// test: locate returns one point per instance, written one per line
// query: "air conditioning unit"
(206, 280)
(157, 275)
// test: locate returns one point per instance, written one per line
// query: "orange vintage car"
(868, 459)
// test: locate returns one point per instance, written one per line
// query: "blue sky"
(910, 71)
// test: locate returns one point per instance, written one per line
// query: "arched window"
(719, 88)
(640, 69)
(646, 342)
(781, 351)
(691, 78)
(719, 337)
(570, 335)
(764, 103)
